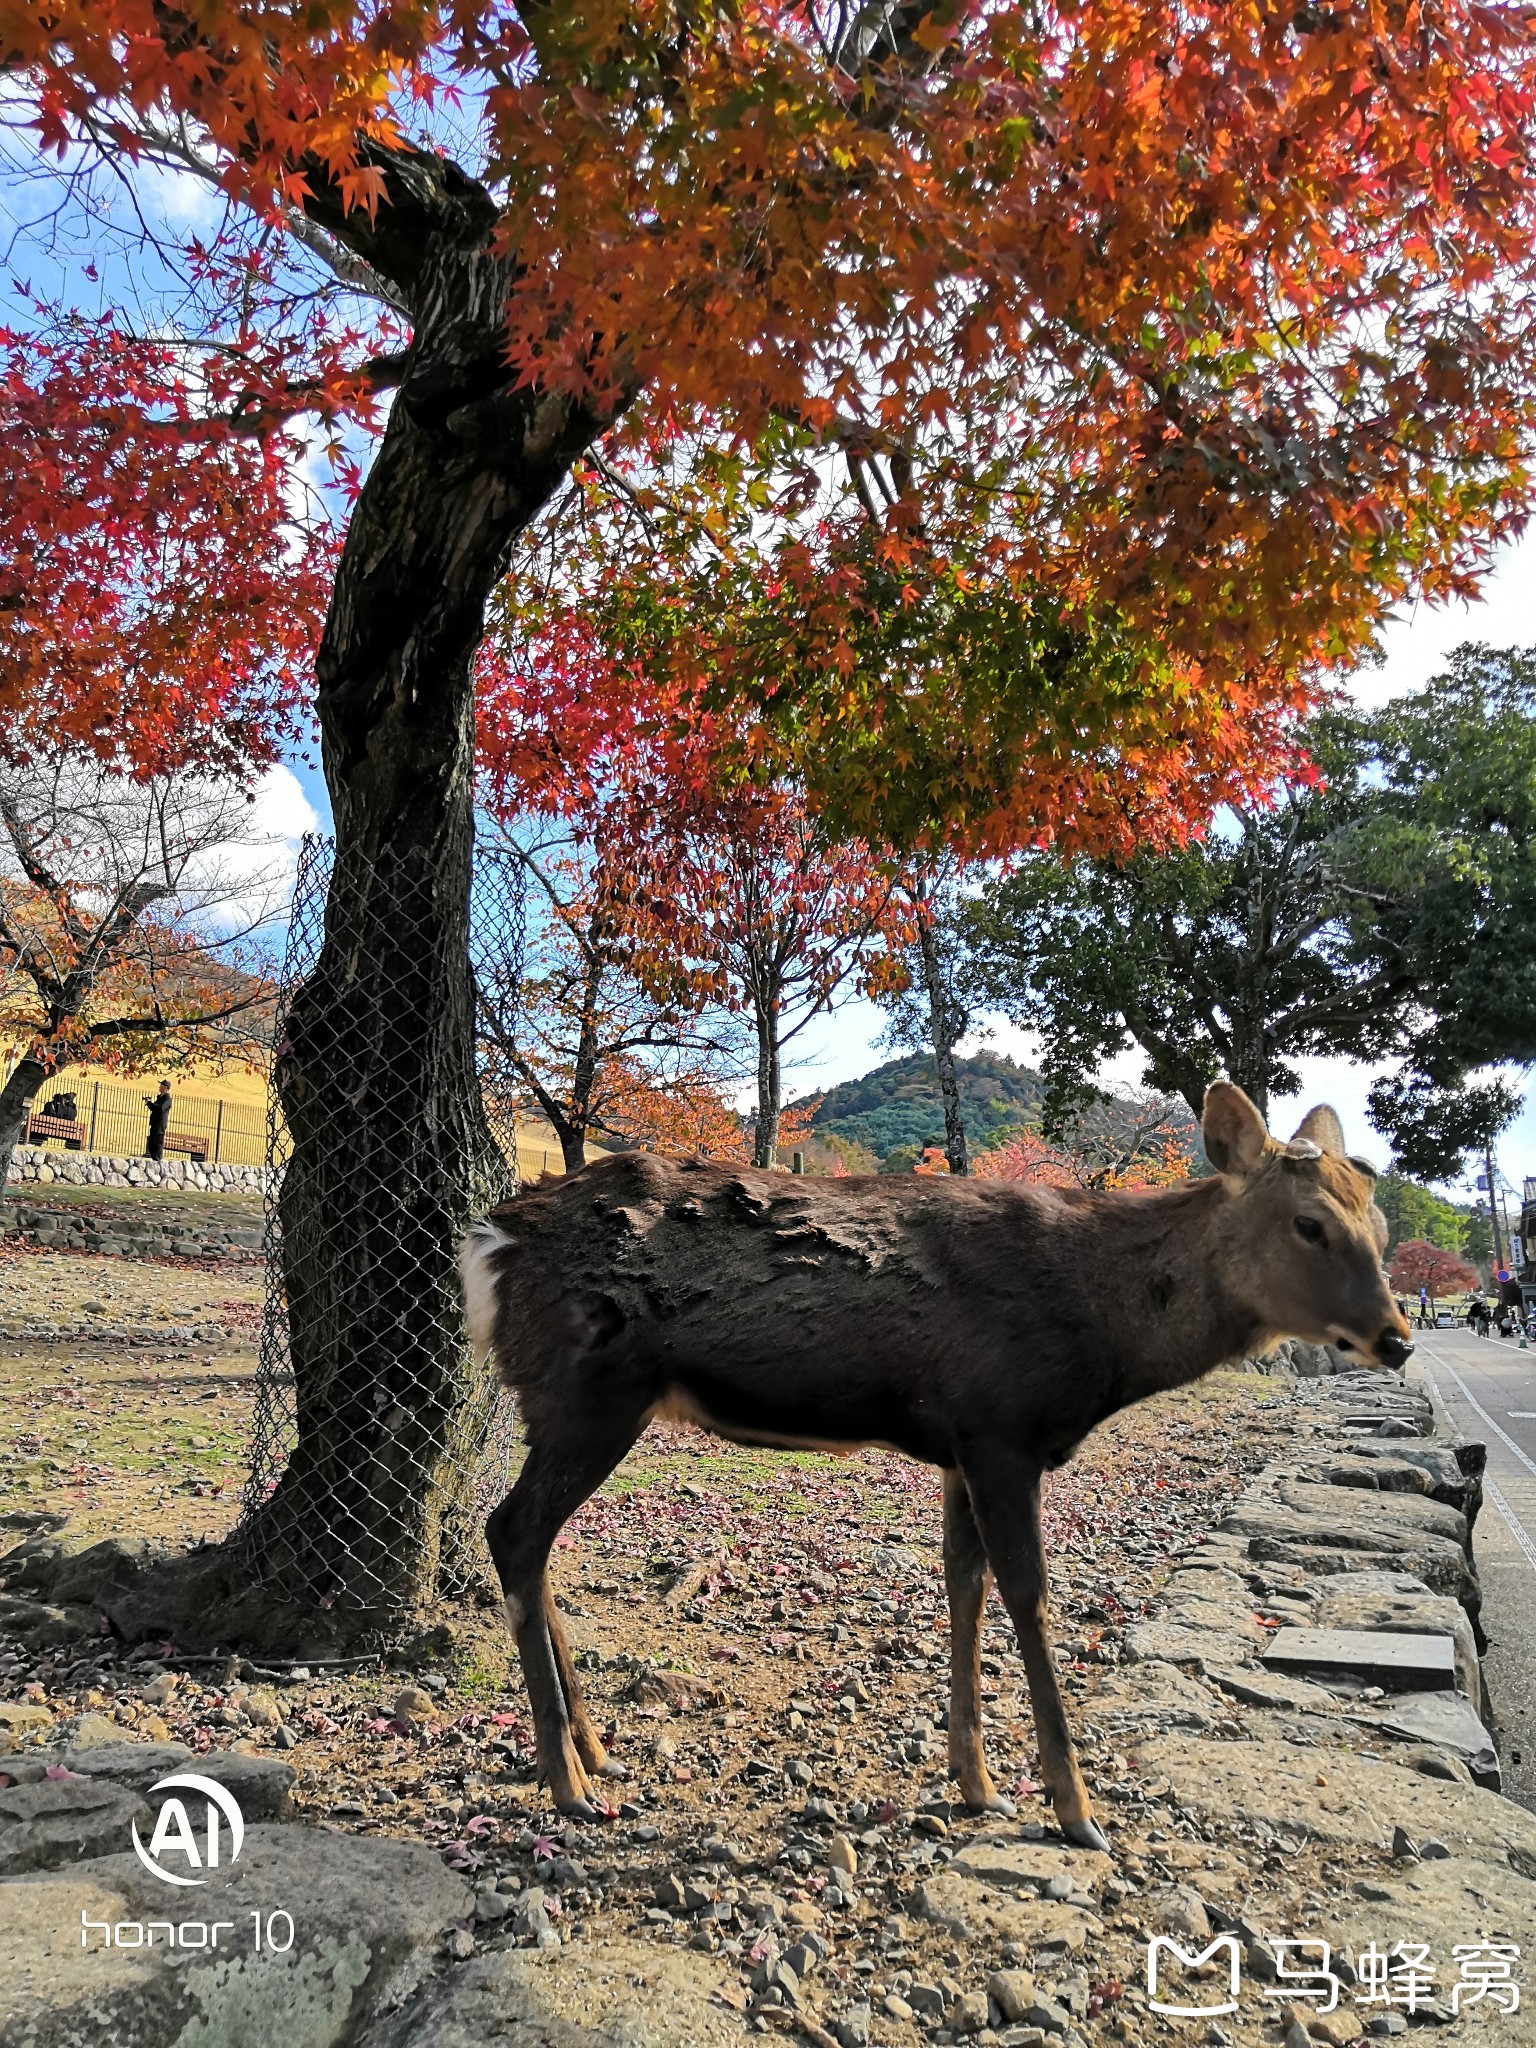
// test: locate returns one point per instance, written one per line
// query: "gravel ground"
(762, 1634)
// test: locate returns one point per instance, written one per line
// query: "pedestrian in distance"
(159, 1107)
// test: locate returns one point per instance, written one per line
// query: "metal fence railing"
(112, 1118)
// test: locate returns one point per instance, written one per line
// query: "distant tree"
(1117, 1142)
(1478, 1245)
(1234, 954)
(1413, 1212)
(787, 923)
(1380, 905)
(125, 911)
(930, 998)
(608, 1030)
(1450, 860)
(1417, 1264)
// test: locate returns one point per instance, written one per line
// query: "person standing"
(159, 1107)
(1423, 1308)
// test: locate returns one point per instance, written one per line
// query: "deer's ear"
(1322, 1127)
(1234, 1133)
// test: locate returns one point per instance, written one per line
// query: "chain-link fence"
(379, 1444)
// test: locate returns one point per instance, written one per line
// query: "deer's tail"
(479, 1276)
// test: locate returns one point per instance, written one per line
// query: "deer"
(981, 1326)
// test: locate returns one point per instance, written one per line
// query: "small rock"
(283, 1737)
(896, 2007)
(1175, 1909)
(1216, 2036)
(671, 1892)
(1433, 1851)
(852, 2030)
(530, 1918)
(1388, 2023)
(1048, 2015)
(927, 1998)
(492, 1906)
(1014, 1991)
(1403, 1845)
(1339, 2027)
(262, 1708)
(968, 2014)
(461, 1944)
(87, 1731)
(841, 1855)
(805, 1954)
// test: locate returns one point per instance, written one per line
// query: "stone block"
(367, 1919)
(1400, 1662)
(61, 1820)
(260, 1784)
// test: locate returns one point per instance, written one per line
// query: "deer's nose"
(1392, 1349)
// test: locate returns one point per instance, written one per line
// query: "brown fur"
(981, 1326)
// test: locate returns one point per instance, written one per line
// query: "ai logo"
(175, 1837)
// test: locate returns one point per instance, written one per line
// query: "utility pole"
(1493, 1208)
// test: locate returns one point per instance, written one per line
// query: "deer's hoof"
(999, 1805)
(611, 1768)
(579, 1809)
(1087, 1834)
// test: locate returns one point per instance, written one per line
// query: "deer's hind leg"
(966, 1577)
(584, 1733)
(569, 1457)
(1005, 1498)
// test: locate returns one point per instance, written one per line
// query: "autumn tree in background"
(1417, 1264)
(127, 909)
(1133, 1141)
(1091, 373)
(610, 1034)
(930, 995)
(786, 922)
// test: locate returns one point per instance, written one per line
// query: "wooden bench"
(70, 1133)
(196, 1149)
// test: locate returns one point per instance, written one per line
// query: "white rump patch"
(478, 1281)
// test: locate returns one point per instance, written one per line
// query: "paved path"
(1488, 1386)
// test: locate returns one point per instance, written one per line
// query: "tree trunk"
(765, 1149)
(942, 1033)
(391, 1154)
(22, 1084)
(573, 1148)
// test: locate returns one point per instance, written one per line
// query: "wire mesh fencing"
(380, 1444)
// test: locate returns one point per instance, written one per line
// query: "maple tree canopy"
(1142, 353)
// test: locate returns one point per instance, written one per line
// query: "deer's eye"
(1310, 1229)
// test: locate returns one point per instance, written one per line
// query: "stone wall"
(33, 1165)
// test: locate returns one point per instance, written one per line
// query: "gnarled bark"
(391, 1154)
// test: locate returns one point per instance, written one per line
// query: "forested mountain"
(898, 1105)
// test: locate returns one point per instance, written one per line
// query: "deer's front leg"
(966, 1577)
(1005, 1498)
